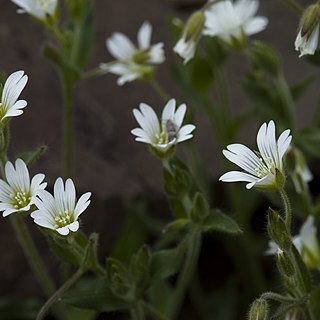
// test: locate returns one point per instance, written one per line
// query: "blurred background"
(108, 162)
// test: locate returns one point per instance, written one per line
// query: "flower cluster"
(230, 21)
(59, 212)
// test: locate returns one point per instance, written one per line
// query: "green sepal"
(176, 179)
(69, 249)
(175, 225)
(259, 310)
(29, 157)
(139, 271)
(89, 259)
(218, 221)
(200, 208)
(118, 277)
(278, 230)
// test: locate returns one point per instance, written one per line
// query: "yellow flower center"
(20, 199)
(63, 218)
(43, 4)
(265, 167)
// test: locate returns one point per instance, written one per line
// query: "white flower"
(307, 43)
(308, 35)
(9, 106)
(133, 62)
(306, 243)
(260, 168)
(61, 211)
(186, 45)
(165, 134)
(39, 9)
(17, 193)
(185, 49)
(232, 20)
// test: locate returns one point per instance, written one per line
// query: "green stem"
(37, 265)
(43, 311)
(68, 129)
(287, 100)
(137, 313)
(186, 273)
(159, 90)
(287, 207)
(294, 6)
(153, 312)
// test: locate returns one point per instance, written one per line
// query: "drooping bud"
(278, 231)
(307, 39)
(259, 310)
(285, 265)
(191, 33)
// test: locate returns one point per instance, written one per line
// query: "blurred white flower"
(308, 35)
(186, 45)
(9, 106)
(234, 20)
(306, 243)
(17, 193)
(260, 168)
(61, 211)
(133, 62)
(165, 134)
(307, 43)
(39, 9)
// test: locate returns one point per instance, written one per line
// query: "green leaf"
(218, 221)
(30, 157)
(303, 274)
(200, 208)
(298, 89)
(95, 295)
(309, 140)
(264, 57)
(139, 270)
(166, 263)
(22, 309)
(70, 74)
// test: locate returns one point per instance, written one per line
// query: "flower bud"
(285, 265)
(186, 46)
(278, 231)
(307, 39)
(259, 310)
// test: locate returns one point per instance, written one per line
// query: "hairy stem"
(194, 246)
(43, 311)
(292, 4)
(36, 263)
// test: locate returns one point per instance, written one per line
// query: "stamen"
(62, 219)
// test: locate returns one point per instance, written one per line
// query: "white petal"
(179, 115)
(144, 35)
(63, 231)
(156, 54)
(237, 176)
(82, 204)
(168, 112)
(74, 226)
(120, 46)
(255, 25)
